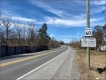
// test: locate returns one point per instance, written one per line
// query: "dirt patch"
(97, 65)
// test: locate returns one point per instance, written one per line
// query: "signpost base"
(88, 57)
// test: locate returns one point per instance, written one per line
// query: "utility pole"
(88, 26)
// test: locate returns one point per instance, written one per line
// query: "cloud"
(67, 36)
(66, 11)
(78, 33)
(94, 2)
(52, 35)
(46, 7)
(23, 19)
(98, 2)
(95, 5)
(69, 22)
(58, 21)
(9, 13)
(54, 8)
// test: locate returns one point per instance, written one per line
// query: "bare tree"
(12, 39)
(2, 40)
(104, 30)
(32, 30)
(1, 25)
(53, 43)
(24, 28)
(7, 23)
(18, 28)
(75, 43)
(98, 34)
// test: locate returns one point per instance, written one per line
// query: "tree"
(32, 31)
(98, 34)
(7, 23)
(24, 27)
(53, 43)
(104, 34)
(61, 43)
(18, 28)
(104, 30)
(43, 37)
(2, 39)
(75, 43)
(1, 25)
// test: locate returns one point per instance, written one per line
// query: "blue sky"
(66, 19)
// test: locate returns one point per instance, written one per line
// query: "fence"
(8, 51)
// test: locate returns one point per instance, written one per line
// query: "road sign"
(88, 32)
(88, 42)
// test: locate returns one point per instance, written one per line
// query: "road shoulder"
(59, 68)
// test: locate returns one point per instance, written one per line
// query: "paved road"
(14, 67)
(62, 67)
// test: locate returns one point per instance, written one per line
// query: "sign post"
(88, 26)
(88, 41)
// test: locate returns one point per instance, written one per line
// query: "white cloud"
(52, 9)
(69, 22)
(68, 18)
(94, 2)
(46, 7)
(67, 36)
(59, 21)
(52, 35)
(97, 10)
(78, 33)
(98, 2)
(23, 19)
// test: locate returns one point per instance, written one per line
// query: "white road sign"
(88, 31)
(88, 42)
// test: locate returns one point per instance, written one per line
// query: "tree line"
(14, 33)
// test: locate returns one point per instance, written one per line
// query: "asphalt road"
(13, 67)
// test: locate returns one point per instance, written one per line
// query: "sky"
(66, 19)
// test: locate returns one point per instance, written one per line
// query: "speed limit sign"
(88, 32)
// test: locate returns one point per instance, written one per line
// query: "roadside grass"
(97, 65)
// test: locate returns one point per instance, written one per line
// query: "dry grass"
(98, 60)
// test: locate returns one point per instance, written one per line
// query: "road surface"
(16, 67)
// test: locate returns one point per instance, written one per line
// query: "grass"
(97, 65)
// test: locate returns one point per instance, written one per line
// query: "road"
(14, 67)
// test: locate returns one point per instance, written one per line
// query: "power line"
(103, 11)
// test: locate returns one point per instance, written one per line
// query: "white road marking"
(39, 67)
